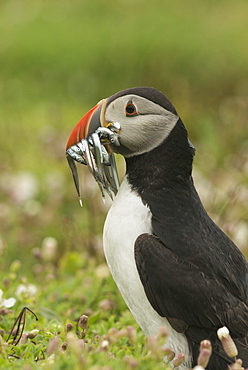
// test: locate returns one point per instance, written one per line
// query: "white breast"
(126, 220)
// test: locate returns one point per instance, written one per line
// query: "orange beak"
(99, 160)
(87, 124)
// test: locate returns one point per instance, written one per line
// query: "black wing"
(192, 301)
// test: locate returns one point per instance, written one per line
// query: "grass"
(57, 60)
(61, 295)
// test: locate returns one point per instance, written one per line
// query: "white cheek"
(144, 133)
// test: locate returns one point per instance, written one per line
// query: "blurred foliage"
(57, 59)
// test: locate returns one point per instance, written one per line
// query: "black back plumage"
(192, 273)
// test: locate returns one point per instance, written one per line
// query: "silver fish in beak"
(89, 143)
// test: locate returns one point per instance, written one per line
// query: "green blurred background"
(59, 58)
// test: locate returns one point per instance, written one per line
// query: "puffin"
(172, 264)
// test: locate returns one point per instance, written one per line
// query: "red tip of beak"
(80, 131)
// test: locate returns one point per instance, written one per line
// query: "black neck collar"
(169, 165)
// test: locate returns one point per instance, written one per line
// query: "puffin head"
(141, 118)
(145, 115)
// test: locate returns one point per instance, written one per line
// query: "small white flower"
(6, 302)
(26, 290)
(104, 345)
(223, 332)
(21, 186)
(49, 249)
(227, 342)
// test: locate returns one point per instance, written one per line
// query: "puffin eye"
(131, 109)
